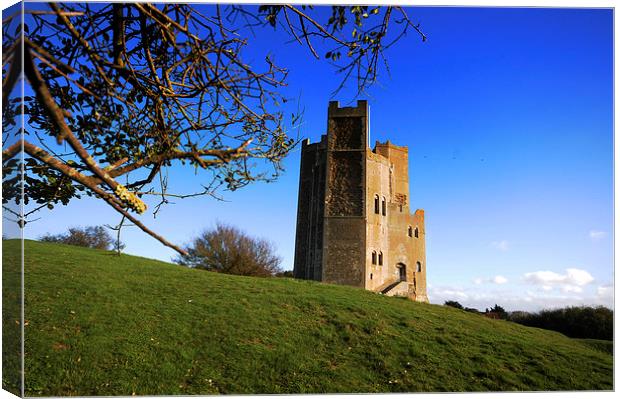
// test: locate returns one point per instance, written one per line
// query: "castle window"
(383, 207)
(401, 207)
(374, 257)
(416, 233)
(376, 204)
(410, 232)
(380, 258)
(371, 276)
(418, 267)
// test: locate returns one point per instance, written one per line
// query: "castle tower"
(354, 226)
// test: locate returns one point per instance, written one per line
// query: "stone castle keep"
(354, 224)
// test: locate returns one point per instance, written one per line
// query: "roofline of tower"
(306, 142)
(391, 146)
(334, 109)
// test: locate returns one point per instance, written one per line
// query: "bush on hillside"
(453, 304)
(575, 322)
(227, 249)
(96, 237)
(496, 312)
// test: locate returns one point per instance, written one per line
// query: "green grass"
(599, 344)
(11, 314)
(103, 325)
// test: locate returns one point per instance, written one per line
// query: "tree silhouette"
(226, 249)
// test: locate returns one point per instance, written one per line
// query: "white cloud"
(527, 300)
(571, 282)
(571, 288)
(596, 235)
(495, 280)
(501, 245)
(500, 280)
(605, 291)
(543, 278)
(575, 277)
(544, 290)
(579, 277)
(450, 293)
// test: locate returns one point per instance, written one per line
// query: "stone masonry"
(354, 224)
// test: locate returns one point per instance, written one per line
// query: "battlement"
(396, 154)
(390, 146)
(335, 111)
(321, 144)
(346, 133)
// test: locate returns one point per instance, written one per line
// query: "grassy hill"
(98, 324)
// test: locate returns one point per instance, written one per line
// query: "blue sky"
(508, 116)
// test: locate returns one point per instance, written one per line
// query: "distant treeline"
(575, 321)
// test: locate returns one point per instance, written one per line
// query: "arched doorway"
(402, 271)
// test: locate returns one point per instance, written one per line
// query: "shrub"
(575, 322)
(96, 237)
(453, 304)
(227, 249)
(496, 312)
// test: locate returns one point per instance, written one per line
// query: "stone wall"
(310, 211)
(345, 225)
(345, 184)
(343, 252)
(419, 254)
(377, 181)
(404, 249)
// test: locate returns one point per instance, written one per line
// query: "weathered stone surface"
(310, 212)
(353, 208)
(345, 184)
(346, 133)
